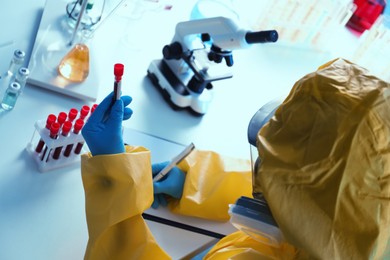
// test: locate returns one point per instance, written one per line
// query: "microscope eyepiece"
(261, 37)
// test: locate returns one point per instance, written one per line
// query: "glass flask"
(75, 64)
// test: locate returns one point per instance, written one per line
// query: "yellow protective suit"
(325, 168)
(118, 189)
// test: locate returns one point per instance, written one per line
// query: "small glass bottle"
(10, 96)
(16, 62)
(21, 77)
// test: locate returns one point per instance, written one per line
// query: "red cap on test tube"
(93, 108)
(118, 71)
(78, 125)
(50, 120)
(72, 114)
(84, 112)
(62, 116)
(54, 129)
(66, 128)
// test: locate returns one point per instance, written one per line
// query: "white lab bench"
(42, 215)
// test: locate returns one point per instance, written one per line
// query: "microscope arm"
(224, 33)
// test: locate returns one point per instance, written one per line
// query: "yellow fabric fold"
(213, 181)
(239, 246)
(325, 164)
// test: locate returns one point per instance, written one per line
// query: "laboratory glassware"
(92, 15)
(10, 96)
(16, 62)
(21, 77)
(74, 66)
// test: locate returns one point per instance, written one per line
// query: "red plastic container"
(366, 13)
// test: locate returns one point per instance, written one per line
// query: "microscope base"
(174, 92)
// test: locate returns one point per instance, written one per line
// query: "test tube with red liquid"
(54, 129)
(62, 116)
(50, 120)
(118, 73)
(76, 130)
(66, 127)
(73, 112)
(84, 112)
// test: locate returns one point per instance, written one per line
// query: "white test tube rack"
(44, 159)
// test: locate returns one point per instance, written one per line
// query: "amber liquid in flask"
(75, 65)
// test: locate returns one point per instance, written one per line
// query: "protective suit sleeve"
(213, 181)
(118, 189)
(325, 169)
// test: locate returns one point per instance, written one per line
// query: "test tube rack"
(44, 159)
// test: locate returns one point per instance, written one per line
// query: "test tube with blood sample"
(62, 116)
(118, 73)
(76, 130)
(50, 120)
(54, 129)
(66, 127)
(73, 112)
(84, 112)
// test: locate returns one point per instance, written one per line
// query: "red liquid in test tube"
(76, 130)
(66, 127)
(84, 112)
(50, 120)
(73, 112)
(118, 73)
(54, 129)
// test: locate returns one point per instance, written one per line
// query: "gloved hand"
(103, 130)
(171, 184)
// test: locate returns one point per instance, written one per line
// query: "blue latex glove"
(171, 184)
(103, 130)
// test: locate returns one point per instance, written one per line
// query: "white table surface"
(42, 216)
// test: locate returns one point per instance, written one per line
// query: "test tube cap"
(62, 116)
(78, 125)
(118, 71)
(50, 120)
(66, 127)
(84, 111)
(54, 128)
(72, 113)
(94, 107)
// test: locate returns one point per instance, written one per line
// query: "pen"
(178, 158)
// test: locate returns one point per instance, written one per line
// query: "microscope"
(192, 61)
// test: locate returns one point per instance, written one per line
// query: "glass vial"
(21, 77)
(16, 62)
(10, 96)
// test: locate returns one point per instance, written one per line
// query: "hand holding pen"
(177, 159)
(173, 183)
